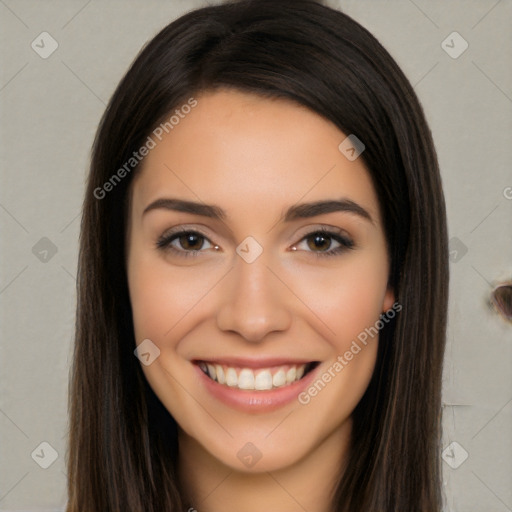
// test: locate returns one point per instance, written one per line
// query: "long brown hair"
(123, 445)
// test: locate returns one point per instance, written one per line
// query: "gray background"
(50, 110)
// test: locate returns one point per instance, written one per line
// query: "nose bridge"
(254, 282)
(253, 304)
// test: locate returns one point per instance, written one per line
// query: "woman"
(264, 229)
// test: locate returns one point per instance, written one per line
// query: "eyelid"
(324, 228)
(337, 234)
(164, 241)
(183, 228)
(332, 231)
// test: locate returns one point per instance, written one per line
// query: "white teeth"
(291, 374)
(231, 377)
(279, 379)
(211, 371)
(263, 380)
(246, 378)
(221, 379)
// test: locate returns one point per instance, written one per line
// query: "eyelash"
(345, 242)
(164, 242)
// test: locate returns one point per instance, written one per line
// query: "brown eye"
(324, 243)
(184, 242)
(319, 242)
(191, 241)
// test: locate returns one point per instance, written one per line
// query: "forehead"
(246, 152)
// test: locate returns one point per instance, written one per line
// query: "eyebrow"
(298, 211)
(180, 205)
(306, 210)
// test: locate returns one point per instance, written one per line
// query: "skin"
(254, 158)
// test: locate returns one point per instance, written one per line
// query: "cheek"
(347, 299)
(155, 304)
(163, 300)
(152, 300)
(166, 298)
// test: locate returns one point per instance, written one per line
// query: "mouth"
(256, 379)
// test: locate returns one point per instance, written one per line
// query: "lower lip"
(256, 401)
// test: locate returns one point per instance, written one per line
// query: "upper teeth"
(260, 380)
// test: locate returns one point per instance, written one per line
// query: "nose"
(255, 302)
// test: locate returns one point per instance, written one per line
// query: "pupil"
(320, 242)
(190, 241)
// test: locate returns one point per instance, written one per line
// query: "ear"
(389, 299)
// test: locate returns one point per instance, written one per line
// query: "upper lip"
(253, 362)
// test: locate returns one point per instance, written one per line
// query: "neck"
(308, 484)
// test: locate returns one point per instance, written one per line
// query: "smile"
(260, 379)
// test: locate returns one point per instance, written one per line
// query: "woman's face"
(250, 256)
